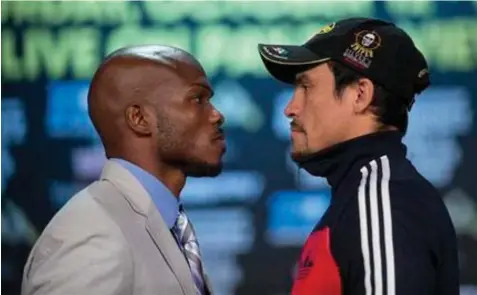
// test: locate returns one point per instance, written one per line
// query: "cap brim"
(284, 62)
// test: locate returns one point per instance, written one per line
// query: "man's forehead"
(157, 62)
(317, 72)
(191, 74)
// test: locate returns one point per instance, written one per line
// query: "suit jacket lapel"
(160, 234)
(167, 245)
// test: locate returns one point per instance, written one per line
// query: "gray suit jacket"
(108, 239)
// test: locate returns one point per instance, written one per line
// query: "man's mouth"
(219, 135)
(220, 142)
(296, 128)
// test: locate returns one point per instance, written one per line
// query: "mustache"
(219, 133)
(296, 126)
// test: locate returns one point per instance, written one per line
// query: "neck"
(365, 125)
(174, 179)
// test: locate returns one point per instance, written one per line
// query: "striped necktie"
(187, 239)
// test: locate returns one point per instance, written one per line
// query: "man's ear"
(138, 119)
(365, 95)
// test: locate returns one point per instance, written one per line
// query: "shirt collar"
(166, 203)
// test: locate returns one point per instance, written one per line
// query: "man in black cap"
(387, 230)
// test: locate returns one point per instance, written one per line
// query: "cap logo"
(276, 51)
(361, 52)
(326, 29)
(366, 42)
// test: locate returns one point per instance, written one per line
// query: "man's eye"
(198, 98)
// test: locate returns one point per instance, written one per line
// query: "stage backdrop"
(252, 219)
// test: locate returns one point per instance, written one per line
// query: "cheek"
(188, 124)
(323, 120)
(175, 130)
(197, 135)
(317, 113)
(200, 141)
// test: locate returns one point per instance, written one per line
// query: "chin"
(203, 169)
(298, 156)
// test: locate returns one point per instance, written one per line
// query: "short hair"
(390, 109)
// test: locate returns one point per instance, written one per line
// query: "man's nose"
(291, 109)
(217, 117)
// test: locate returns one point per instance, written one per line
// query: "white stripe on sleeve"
(388, 226)
(363, 222)
(380, 279)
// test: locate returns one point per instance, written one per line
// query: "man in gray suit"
(127, 233)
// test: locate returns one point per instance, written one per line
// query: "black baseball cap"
(376, 49)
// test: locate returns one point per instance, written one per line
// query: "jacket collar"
(335, 162)
(132, 189)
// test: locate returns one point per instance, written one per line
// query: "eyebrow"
(301, 78)
(204, 86)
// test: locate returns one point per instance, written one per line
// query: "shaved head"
(165, 55)
(152, 104)
(120, 80)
